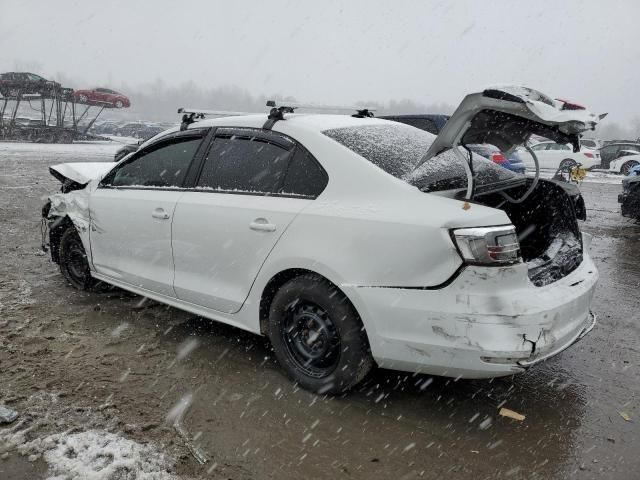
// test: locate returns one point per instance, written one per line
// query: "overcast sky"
(338, 51)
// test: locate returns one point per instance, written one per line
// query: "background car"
(629, 199)
(13, 84)
(627, 160)
(431, 123)
(511, 162)
(611, 151)
(552, 155)
(590, 143)
(102, 97)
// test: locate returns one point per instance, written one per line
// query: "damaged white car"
(348, 240)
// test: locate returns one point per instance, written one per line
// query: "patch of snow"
(99, 455)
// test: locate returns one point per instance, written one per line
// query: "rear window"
(398, 149)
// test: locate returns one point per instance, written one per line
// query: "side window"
(164, 166)
(538, 148)
(305, 177)
(244, 164)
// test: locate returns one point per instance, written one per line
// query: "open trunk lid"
(506, 116)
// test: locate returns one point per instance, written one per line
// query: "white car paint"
(630, 159)
(384, 243)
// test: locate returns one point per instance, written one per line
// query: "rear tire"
(626, 168)
(74, 264)
(317, 336)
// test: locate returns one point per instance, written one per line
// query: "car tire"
(308, 309)
(13, 92)
(83, 99)
(627, 166)
(567, 164)
(74, 264)
(119, 104)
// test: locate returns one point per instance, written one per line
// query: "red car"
(102, 97)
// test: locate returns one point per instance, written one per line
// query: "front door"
(131, 214)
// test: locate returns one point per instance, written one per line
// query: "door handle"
(262, 225)
(160, 214)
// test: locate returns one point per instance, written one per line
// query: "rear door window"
(304, 177)
(244, 164)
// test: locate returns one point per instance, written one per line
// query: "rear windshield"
(398, 149)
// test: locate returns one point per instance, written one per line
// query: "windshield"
(398, 149)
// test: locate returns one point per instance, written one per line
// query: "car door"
(132, 209)
(242, 202)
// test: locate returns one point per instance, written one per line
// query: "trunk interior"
(547, 227)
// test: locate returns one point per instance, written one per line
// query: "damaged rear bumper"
(541, 358)
(489, 322)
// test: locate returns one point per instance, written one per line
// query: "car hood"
(80, 173)
(507, 116)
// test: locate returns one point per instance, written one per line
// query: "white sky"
(338, 51)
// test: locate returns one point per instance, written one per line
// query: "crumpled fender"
(75, 206)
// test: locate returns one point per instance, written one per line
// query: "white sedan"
(553, 155)
(348, 241)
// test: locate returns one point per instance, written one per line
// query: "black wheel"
(83, 99)
(317, 336)
(626, 168)
(14, 92)
(73, 261)
(567, 164)
(119, 104)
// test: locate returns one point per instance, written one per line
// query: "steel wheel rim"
(76, 262)
(311, 338)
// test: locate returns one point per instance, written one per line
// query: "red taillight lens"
(498, 158)
(588, 154)
(566, 105)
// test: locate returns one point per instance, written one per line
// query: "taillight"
(488, 245)
(566, 105)
(498, 158)
(588, 154)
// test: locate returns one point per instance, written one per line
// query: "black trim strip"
(440, 286)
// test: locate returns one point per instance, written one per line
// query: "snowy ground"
(106, 385)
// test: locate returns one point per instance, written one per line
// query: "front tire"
(119, 104)
(317, 336)
(74, 264)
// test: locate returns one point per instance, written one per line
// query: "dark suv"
(13, 84)
(611, 151)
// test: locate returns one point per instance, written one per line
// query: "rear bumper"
(489, 322)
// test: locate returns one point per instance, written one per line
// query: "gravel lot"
(169, 387)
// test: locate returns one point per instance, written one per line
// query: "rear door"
(132, 210)
(251, 186)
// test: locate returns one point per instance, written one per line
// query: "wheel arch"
(278, 280)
